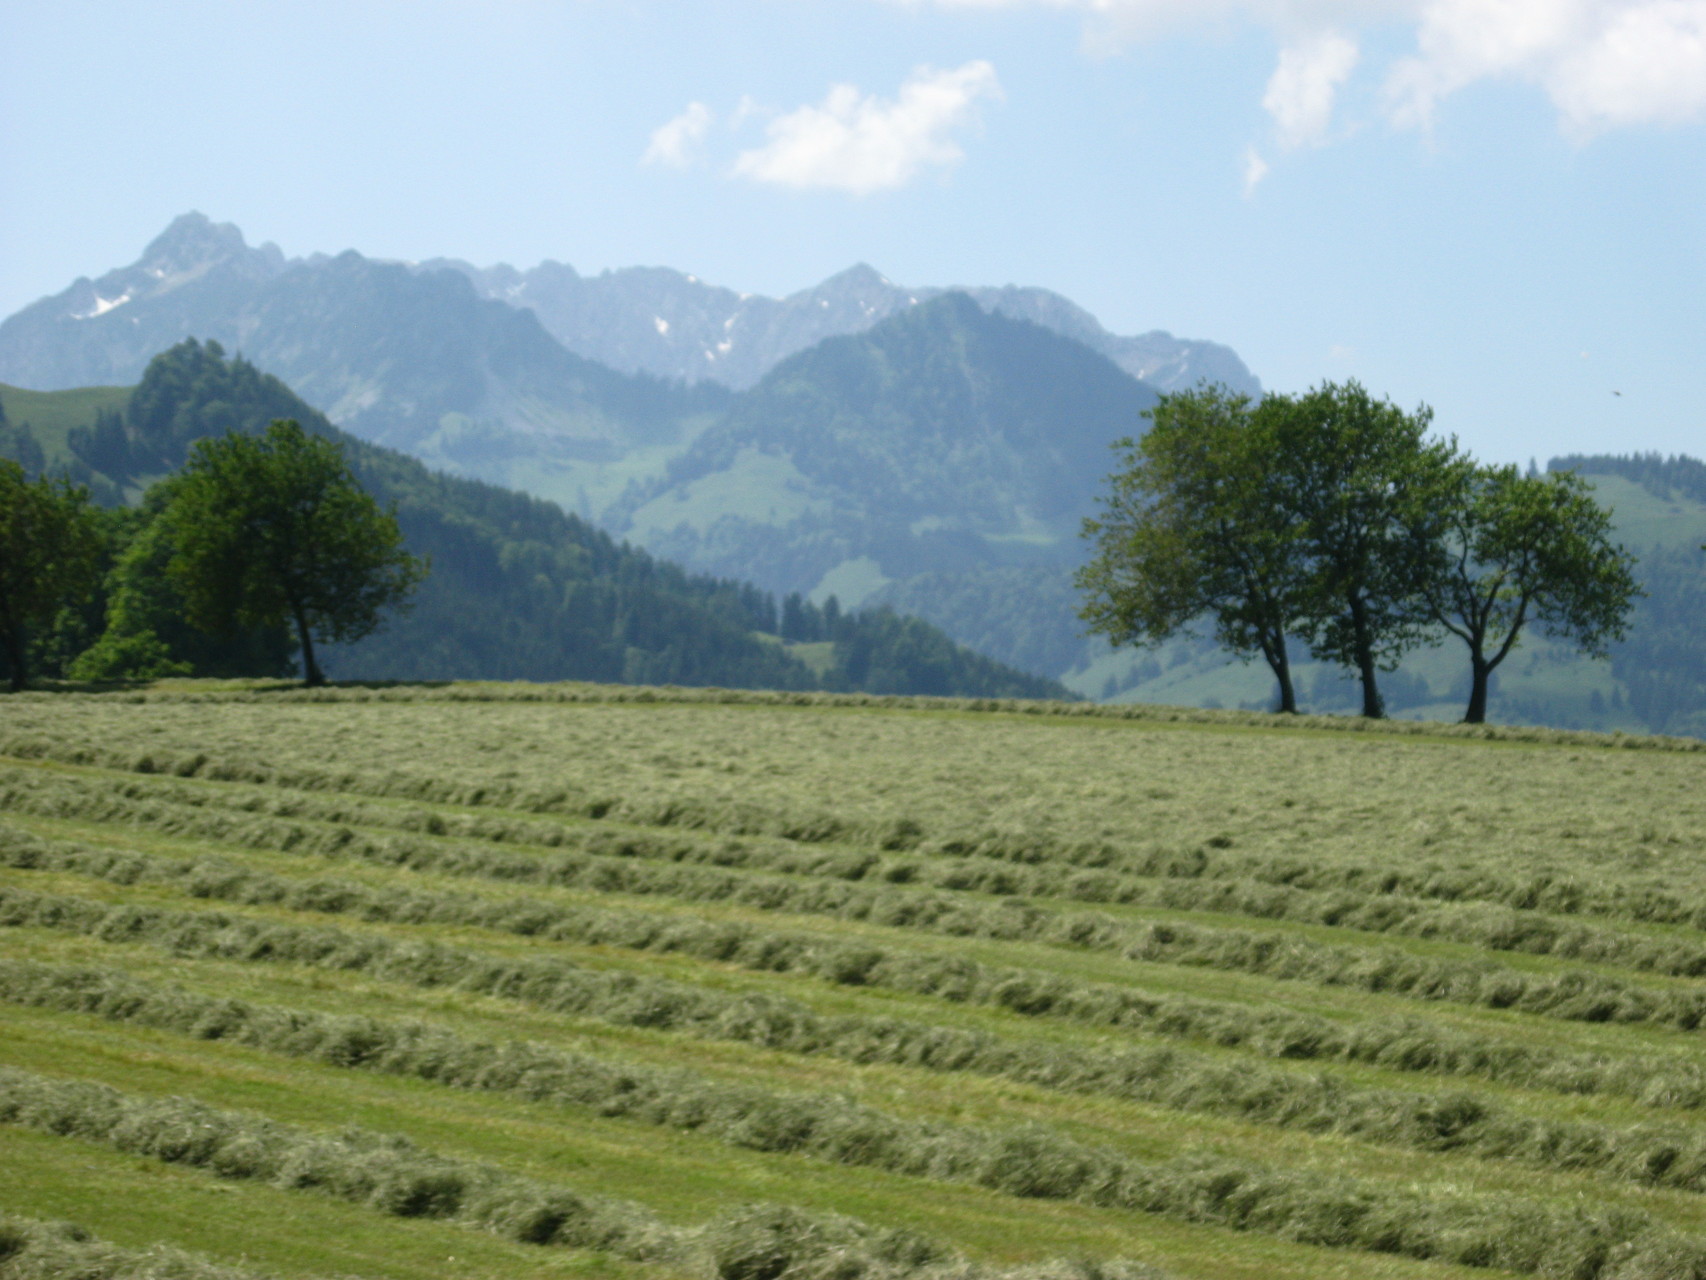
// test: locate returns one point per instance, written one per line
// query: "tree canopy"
(1333, 516)
(1363, 484)
(1194, 527)
(1522, 549)
(274, 528)
(50, 549)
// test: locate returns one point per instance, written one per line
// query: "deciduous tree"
(50, 555)
(1193, 527)
(1365, 487)
(1528, 549)
(275, 528)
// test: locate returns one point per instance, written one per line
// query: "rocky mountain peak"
(861, 277)
(191, 243)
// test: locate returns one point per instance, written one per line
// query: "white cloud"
(1604, 64)
(1461, 41)
(1255, 169)
(674, 142)
(1301, 92)
(861, 143)
(1647, 63)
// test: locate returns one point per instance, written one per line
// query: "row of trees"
(257, 534)
(1333, 517)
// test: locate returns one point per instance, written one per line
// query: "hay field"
(581, 981)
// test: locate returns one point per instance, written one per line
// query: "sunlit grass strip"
(832, 1128)
(628, 862)
(1573, 996)
(394, 1176)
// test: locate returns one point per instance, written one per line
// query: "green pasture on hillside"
(51, 415)
(592, 981)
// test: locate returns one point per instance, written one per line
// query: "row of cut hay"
(763, 1242)
(577, 692)
(571, 800)
(390, 1174)
(1576, 996)
(1531, 891)
(31, 1249)
(1182, 1081)
(711, 869)
(394, 1176)
(725, 815)
(1402, 1044)
(832, 1128)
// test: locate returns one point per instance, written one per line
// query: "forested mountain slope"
(519, 589)
(1662, 665)
(943, 440)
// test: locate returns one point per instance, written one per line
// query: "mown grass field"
(580, 981)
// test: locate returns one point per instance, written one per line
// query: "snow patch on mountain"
(101, 307)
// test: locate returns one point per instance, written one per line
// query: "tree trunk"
(1372, 706)
(1480, 672)
(14, 642)
(312, 676)
(1280, 664)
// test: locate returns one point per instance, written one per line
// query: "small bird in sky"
(1616, 393)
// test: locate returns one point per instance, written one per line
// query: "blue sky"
(1494, 206)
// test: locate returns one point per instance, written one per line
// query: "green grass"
(683, 1179)
(52, 414)
(899, 802)
(137, 1202)
(1145, 1131)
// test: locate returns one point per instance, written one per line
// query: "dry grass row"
(604, 859)
(394, 1176)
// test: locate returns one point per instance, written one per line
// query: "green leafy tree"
(1367, 490)
(50, 557)
(1528, 549)
(1196, 525)
(145, 634)
(274, 528)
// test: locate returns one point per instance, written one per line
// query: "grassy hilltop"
(575, 980)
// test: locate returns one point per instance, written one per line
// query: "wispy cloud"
(1255, 169)
(1301, 91)
(860, 143)
(675, 142)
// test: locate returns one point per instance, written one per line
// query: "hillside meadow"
(600, 981)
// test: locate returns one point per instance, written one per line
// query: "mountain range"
(199, 276)
(844, 440)
(933, 450)
(663, 322)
